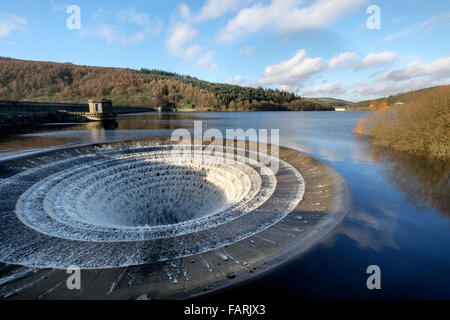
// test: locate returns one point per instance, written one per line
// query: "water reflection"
(157, 121)
(425, 182)
(400, 217)
(125, 127)
(325, 135)
(105, 125)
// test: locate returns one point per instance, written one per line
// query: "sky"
(348, 49)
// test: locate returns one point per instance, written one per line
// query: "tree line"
(65, 82)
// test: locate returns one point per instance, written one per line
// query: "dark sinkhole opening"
(158, 194)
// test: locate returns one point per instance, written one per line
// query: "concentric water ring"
(136, 205)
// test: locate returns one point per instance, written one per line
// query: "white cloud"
(215, 8)
(180, 34)
(376, 89)
(131, 16)
(191, 52)
(211, 9)
(59, 6)
(416, 75)
(423, 27)
(237, 80)
(10, 22)
(377, 58)
(351, 59)
(213, 67)
(294, 71)
(180, 45)
(286, 17)
(289, 89)
(245, 52)
(108, 33)
(436, 70)
(292, 75)
(342, 60)
(205, 59)
(325, 90)
(115, 33)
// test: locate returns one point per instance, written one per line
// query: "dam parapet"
(35, 118)
(28, 113)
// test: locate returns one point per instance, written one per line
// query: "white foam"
(136, 204)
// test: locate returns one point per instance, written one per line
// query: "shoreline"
(16, 121)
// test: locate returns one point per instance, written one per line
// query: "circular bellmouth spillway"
(124, 205)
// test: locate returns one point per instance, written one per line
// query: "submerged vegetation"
(22, 80)
(420, 127)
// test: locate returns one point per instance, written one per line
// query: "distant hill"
(396, 100)
(332, 102)
(22, 80)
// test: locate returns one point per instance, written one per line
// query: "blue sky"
(313, 47)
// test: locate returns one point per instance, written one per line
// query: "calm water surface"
(400, 216)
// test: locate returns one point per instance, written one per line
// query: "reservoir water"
(399, 220)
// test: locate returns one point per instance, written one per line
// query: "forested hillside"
(65, 82)
(332, 102)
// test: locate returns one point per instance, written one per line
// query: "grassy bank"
(419, 127)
